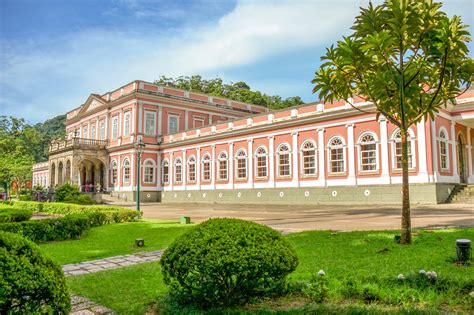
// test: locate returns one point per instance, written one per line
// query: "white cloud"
(51, 77)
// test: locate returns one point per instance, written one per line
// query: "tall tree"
(409, 59)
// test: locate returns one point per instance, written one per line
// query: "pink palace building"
(201, 148)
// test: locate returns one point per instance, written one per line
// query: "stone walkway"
(83, 306)
(110, 263)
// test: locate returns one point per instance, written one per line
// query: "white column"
(160, 120)
(198, 168)
(184, 170)
(422, 165)
(271, 160)
(107, 126)
(119, 173)
(250, 162)
(434, 150)
(213, 166)
(453, 152)
(231, 164)
(171, 172)
(294, 153)
(469, 156)
(210, 119)
(384, 150)
(321, 156)
(158, 170)
(350, 153)
(186, 116)
(140, 117)
(133, 172)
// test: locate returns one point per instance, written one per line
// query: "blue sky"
(54, 53)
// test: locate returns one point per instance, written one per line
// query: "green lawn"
(371, 259)
(115, 239)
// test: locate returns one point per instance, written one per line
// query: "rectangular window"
(102, 131)
(173, 124)
(166, 173)
(93, 132)
(223, 169)
(261, 166)
(149, 176)
(444, 155)
(398, 155)
(115, 128)
(241, 168)
(368, 157)
(309, 162)
(337, 160)
(84, 132)
(149, 124)
(206, 170)
(192, 172)
(198, 122)
(126, 124)
(178, 173)
(284, 164)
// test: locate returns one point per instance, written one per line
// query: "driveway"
(301, 218)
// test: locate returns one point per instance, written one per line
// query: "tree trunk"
(406, 219)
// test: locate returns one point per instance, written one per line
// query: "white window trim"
(237, 165)
(188, 169)
(101, 124)
(154, 123)
(165, 161)
(154, 171)
(127, 183)
(202, 167)
(219, 159)
(359, 148)
(177, 116)
(129, 115)
(174, 170)
(112, 163)
(315, 159)
(290, 162)
(256, 156)
(344, 153)
(412, 148)
(115, 121)
(446, 141)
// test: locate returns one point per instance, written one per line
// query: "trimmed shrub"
(224, 262)
(30, 283)
(80, 199)
(10, 214)
(66, 191)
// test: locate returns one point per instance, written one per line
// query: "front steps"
(463, 194)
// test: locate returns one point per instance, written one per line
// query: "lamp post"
(139, 147)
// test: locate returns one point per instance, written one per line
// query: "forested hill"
(239, 91)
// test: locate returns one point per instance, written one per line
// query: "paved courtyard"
(300, 218)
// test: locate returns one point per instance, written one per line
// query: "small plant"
(224, 262)
(66, 191)
(30, 283)
(317, 289)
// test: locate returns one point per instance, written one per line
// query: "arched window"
(223, 160)
(443, 149)
(261, 161)
(206, 167)
(284, 162)
(308, 158)
(241, 164)
(336, 156)
(149, 171)
(397, 149)
(178, 170)
(368, 157)
(113, 169)
(192, 169)
(165, 171)
(126, 171)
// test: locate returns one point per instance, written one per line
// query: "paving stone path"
(83, 306)
(110, 263)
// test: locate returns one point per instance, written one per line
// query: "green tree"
(408, 58)
(239, 91)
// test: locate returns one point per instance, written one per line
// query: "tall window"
(241, 165)
(102, 131)
(166, 171)
(206, 168)
(173, 124)
(192, 169)
(308, 158)
(336, 156)
(115, 128)
(93, 131)
(261, 158)
(368, 153)
(397, 140)
(222, 159)
(149, 171)
(284, 164)
(126, 171)
(443, 150)
(113, 169)
(149, 124)
(126, 124)
(178, 170)
(84, 132)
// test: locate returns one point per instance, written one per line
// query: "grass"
(370, 261)
(114, 239)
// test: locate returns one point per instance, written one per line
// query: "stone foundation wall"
(358, 195)
(145, 196)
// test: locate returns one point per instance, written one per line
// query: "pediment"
(92, 102)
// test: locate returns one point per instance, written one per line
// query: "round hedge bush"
(29, 281)
(224, 262)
